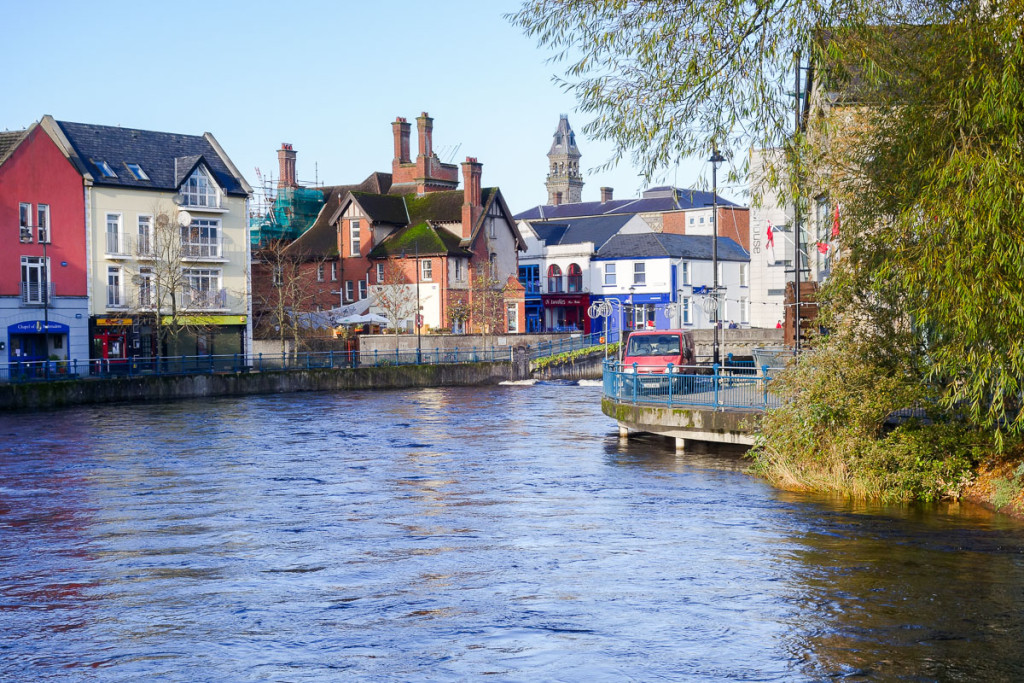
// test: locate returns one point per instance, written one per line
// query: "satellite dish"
(184, 219)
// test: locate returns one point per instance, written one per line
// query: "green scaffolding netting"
(294, 212)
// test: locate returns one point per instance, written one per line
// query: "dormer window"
(105, 170)
(137, 171)
(200, 190)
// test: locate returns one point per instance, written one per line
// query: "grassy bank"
(834, 434)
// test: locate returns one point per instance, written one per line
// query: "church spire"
(564, 182)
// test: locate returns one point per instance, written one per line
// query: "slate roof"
(596, 229)
(383, 208)
(321, 238)
(425, 239)
(660, 245)
(166, 158)
(654, 200)
(9, 141)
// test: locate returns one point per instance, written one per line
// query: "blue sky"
(328, 77)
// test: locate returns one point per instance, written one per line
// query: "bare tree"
(286, 292)
(395, 297)
(486, 303)
(167, 290)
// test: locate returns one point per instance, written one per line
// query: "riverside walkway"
(722, 406)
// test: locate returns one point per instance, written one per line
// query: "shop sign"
(37, 327)
(205, 320)
(113, 322)
(564, 300)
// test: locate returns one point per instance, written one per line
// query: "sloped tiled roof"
(444, 206)
(382, 208)
(424, 239)
(654, 200)
(321, 238)
(163, 156)
(656, 244)
(9, 141)
(596, 229)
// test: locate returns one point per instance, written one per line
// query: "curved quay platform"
(722, 407)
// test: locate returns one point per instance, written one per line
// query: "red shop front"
(566, 312)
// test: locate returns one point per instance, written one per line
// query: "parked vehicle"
(650, 353)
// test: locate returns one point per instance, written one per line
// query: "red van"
(652, 351)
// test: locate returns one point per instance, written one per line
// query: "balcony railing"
(36, 293)
(116, 297)
(201, 250)
(204, 299)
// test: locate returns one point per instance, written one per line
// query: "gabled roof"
(382, 208)
(163, 156)
(321, 238)
(424, 239)
(9, 141)
(662, 245)
(490, 196)
(654, 200)
(596, 229)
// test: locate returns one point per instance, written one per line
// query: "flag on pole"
(770, 235)
(835, 223)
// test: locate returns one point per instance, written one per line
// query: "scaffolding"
(284, 215)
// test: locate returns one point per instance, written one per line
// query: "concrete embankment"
(41, 395)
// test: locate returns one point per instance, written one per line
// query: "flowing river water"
(466, 533)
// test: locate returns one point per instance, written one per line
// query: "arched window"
(554, 279)
(575, 278)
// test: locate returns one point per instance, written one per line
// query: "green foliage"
(569, 356)
(666, 79)
(936, 207)
(831, 433)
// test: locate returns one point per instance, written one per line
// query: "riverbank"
(43, 395)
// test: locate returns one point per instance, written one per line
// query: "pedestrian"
(778, 325)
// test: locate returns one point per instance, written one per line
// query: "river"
(457, 534)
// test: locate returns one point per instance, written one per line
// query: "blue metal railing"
(42, 371)
(713, 386)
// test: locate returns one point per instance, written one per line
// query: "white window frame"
(350, 290)
(512, 317)
(460, 270)
(687, 310)
(201, 238)
(426, 270)
(320, 272)
(639, 273)
(105, 169)
(136, 171)
(744, 310)
(200, 190)
(40, 267)
(117, 235)
(146, 287)
(334, 271)
(380, 273)
(744, 274)
(144, 246)
(25, 222)
(609, 275)
(208, 292)
(685, 276)
(115, 287)
(362, 289)
(43, 223)
(354, 242)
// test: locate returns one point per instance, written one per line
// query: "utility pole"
(796, 213)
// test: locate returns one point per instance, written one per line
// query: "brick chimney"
(606, 195)
(425, 129)
(286, 161)
(473, 204)
(401, 128)
(557, 198)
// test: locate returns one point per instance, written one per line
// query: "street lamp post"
(716, 161)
